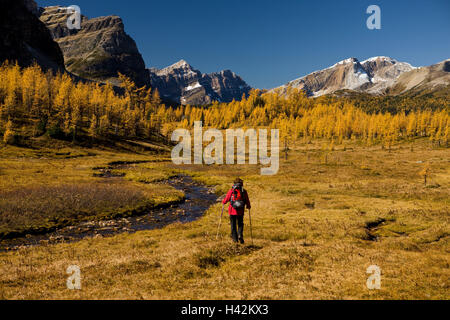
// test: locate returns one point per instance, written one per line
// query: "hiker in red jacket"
(238, 198)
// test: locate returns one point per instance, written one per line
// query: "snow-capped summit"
(379, 58)
(181, 83)
(345, 61)
(179, 64)
(182, 66)
(372, 75)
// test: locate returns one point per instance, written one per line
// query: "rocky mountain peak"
(181, 83)
(380, 59)
(346, 61)
(373, 75)
(423, 79)
(99, 50)
(181, 67)
(100, 23)
(225, 73)
(181, 64)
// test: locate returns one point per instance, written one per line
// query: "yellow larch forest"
(58, 105)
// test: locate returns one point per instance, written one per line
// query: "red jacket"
(232, 211)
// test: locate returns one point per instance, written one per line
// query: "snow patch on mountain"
(192, 87)
(342, 62)
(181, 83)
(379, 58)
(372, 75)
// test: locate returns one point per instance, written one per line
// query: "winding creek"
(198, 198)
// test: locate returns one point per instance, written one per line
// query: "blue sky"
(269, 43)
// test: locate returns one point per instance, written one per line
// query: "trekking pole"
(251, 232)
(220, 222)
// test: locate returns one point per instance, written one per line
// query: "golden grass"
(42, 189)
(312, 228)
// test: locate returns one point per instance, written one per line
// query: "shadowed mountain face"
(373, 76)
(183, 84)
(24, 38)
(99, 50)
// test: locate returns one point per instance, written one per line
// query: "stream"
(198, 199)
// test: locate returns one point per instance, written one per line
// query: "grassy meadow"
(317, 225)
(44, 188)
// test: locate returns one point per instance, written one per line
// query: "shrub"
(40, 128)
(56, 132)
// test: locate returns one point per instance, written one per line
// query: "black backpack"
(237, 197)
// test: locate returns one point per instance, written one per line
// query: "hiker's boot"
(241, 240)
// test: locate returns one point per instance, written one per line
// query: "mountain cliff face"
(227, 85)
(374, 75)
(424, 79)
(383, 72)
(183, 84)
(24, 38)
(99, 50)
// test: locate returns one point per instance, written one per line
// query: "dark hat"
(238, 180)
